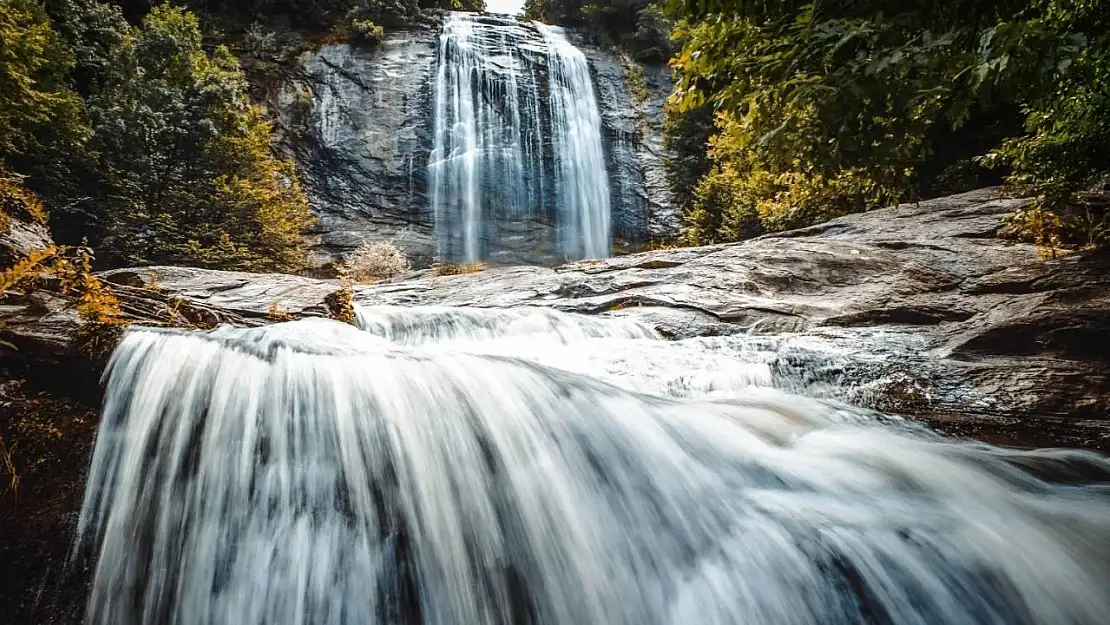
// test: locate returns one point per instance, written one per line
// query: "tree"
(1064, 150)
(639, 26)
(842, 106)
(91, 29)
(38, 110)
(185, 157)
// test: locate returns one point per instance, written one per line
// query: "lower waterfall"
(466, 467)
(517, 137)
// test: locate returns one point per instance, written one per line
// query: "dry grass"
(8, 470)
(455, 269)
(341, 303)
(17, 201)
(277, 313)
(654, 246)
(26, 268)
(373, 262)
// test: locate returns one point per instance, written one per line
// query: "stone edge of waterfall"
(628, 474)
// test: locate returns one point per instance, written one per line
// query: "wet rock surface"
(917, 309)
(359, 124)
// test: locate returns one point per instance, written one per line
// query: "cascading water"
(581, 181)
(517, 135)
(474, 467)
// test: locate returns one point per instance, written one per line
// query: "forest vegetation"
(786, 114)
(129, 126)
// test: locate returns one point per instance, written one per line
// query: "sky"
(505, 6)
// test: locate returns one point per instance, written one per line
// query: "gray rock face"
(920, 307)
(632, 122)
(19, 238)
(360, 124)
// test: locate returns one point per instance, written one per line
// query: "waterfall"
(517, 136)
(473, 467)
(581, 179)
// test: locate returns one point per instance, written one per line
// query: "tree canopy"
(140, 141)
(639, 26)
(835, 107)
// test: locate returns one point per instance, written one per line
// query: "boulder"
(20, 238)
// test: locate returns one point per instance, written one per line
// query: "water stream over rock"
(462, 466)
(517, 135)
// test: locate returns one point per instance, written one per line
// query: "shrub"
(634, 78)
(454, 269)
(366, 32)
(277, 313)
(375, 261)
(341, 304)
(16, 201)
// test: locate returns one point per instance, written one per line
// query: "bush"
(18, 202)
(375, 261)
(362, 29)
(366, 32)
(455, 269)
(838, 107)
(187, 173)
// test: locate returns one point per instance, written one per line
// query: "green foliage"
(634, 79)
(639, 26)
(38, 110)
(1065, 147)
(187, 174)
(316, 17)
(650, 41)
(362, 27)
(140, 140)
(366, 32)
(686, 135)
(846, 106)
(91, 29)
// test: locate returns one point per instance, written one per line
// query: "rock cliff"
(360, 124)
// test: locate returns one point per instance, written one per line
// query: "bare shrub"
(455, 269)
(375, 261)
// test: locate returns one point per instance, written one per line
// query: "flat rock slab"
(927, 311)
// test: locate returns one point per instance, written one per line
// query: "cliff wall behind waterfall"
(360, 123)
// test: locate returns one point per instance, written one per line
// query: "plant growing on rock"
(373, 262)
(455, 269)
(277, 313)
(363, 30)
(340, 303)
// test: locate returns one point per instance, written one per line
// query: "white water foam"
(515, 121)
(435, 468)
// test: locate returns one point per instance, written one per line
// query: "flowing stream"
(472, 467)
(517, 134)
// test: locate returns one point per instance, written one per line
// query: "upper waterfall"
(517, 134)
